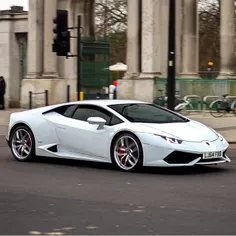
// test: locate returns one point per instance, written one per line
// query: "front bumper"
(186, 158)
(185, 154)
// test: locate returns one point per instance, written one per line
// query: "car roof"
(98, 102)
(106, 102)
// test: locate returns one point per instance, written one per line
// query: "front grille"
(178, 157)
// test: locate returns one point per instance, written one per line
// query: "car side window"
(66, 110)
(83, 113)
(69, 111)
(115, 120)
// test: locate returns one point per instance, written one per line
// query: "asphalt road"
(71, 197)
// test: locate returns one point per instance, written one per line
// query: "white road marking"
(35, 232)
(54, 233)
(91, 227)
(138, 210)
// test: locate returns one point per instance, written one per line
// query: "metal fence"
(201, 92)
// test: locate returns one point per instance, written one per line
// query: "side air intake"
(53, 149)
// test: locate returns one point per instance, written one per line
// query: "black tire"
(117, 163)
(30, 142)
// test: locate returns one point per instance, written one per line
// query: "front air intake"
(178, 157)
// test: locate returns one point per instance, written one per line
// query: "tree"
(209, 33)
(110, 16)
(111, 22)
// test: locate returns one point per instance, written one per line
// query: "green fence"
(201, 92)
(95, 63)
(93, 74)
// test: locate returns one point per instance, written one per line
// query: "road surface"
(72, 197)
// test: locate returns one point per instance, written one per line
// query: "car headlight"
(170, 140)
(220, 137)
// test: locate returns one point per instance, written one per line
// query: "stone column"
(227, 38)
(164, 14)
(35, 39)
(190, 40)
(144, 87)
(133, 44)
(151, 37)
(50, 58)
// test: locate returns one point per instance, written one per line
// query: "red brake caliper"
(121, 155)
(29, 142)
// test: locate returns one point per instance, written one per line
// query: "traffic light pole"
(171, 57)
(61, 41)
(78, 57)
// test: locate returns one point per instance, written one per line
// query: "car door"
(78, 136)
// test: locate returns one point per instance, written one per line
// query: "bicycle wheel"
(186, 108)
(217, 109)
(233, 107)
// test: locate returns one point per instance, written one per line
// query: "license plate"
(211, 155)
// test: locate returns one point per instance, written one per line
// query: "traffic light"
(61, 41)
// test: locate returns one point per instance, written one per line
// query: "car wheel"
(22, 144)
(127, 153)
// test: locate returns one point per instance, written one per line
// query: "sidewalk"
(225, 125)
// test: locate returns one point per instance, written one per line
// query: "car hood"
(188, 131)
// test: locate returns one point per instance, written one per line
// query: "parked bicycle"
(220, 107)
(182, 106)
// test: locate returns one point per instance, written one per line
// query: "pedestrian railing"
(31, 94)
(202, 92)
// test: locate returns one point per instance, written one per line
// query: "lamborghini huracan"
(129, 134)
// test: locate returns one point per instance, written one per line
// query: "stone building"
(148, 44)
(28, 63)
(26, 40)
(46, 71)
(13, 51)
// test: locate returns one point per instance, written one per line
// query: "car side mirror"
(97, 121)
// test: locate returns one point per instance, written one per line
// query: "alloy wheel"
(126, 152)
(21, 144)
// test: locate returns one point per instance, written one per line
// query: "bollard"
(30, 99)
(76, 96)
(81, 96)
(46, 97)
(111, 91)
(68, 93)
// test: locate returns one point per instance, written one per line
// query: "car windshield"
(146, 113)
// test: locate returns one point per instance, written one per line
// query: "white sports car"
(129, 134)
